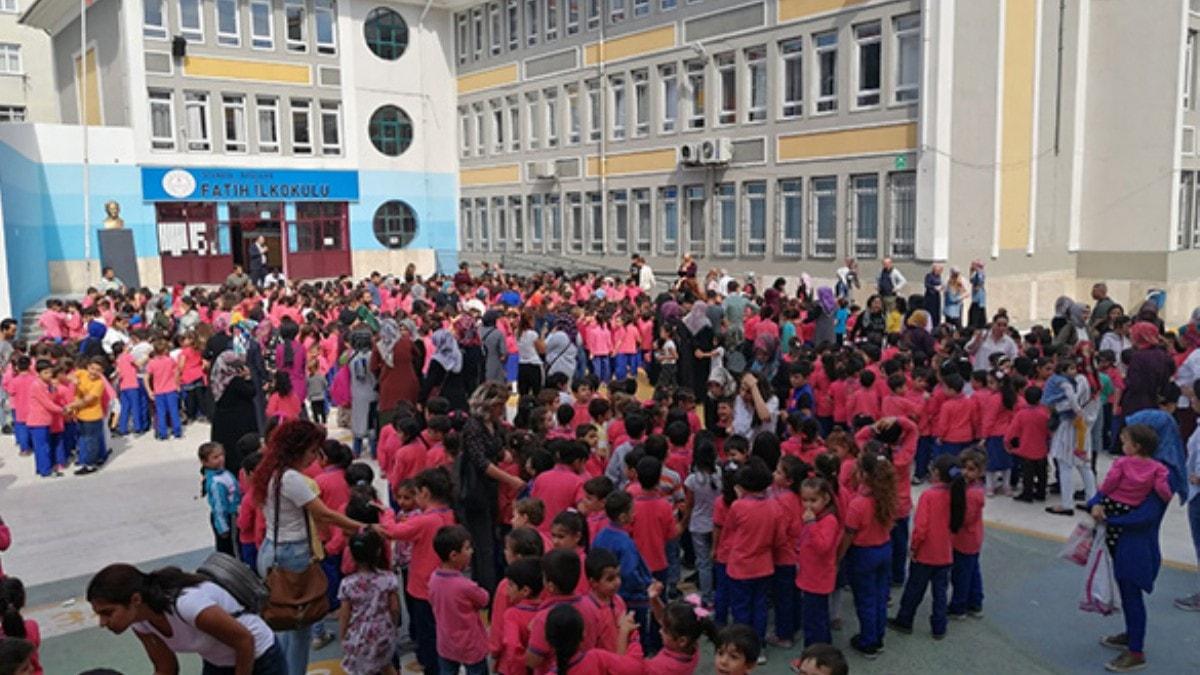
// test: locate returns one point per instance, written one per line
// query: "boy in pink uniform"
(560, 572)
(626, 346)
(753, 529)
(52, 321)
(456, 601)
(864, 402)
(1028, 439)
(523, 588)
(128, 394)
(561, 487)
(163, 373)
(40, 416)
(954, 425)
(17, 387)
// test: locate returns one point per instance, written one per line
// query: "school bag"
(237, 579)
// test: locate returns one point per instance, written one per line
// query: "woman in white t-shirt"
(291, 542)
(174, 612)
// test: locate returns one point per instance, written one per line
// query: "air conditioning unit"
(543, 170)
(716, 151)
(689, 154)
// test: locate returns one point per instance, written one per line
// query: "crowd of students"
(770, 463)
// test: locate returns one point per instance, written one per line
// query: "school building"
(1056, 141)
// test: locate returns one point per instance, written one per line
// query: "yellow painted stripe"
(627, 46)
(238, 69)
(486, 79)
(490, 175)
(1016, 126)
(648, 161)
(893, 138)
(790, 10)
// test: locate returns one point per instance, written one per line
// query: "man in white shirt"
(891, 281)
(645, 276)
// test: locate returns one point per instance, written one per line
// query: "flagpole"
(83, 120)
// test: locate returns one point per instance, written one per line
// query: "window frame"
(516, 221)
(164, 98)
(755, 60)
(234, 103)
(858, 188)
(225, 38)
(641, 102)
(265, 104)
(462, 37)
(576, 225)
(10, 52)
(479, 125)
(499, 216)
(295, 45)
(295, 106)
(325, 110)
(594, 212)
(791, 59)
(641, 8)
(900, 33)
(483, 223)
(895, 240)
(328, 8)
(154, 31)
(668, 197)
(696, 114)
(12, 113)
(537, 222)
(550, 11)
(573, 12)
(191, 34)
(618, 204)
(258, 41)
(595, 109)
(478, 42)
(513, 103)
(574, 114)
(496, 115)
(725, 211)
(466, 218)
(552, 115)
(193, 100)
(754, 191)
(867, 98)
(495, 21)
(618, 107)
(531, 22)
(532, 113)
(787, 190)
(727, 88)
(641, 211)
(553, 220)
(593, 14)
(464, 131)
(697, 228)
(616, 11)
(512, 23)
(818, 243)
(825, 104)
(668, 78)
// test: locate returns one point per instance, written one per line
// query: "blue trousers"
(627, 365)
(749, 602)
(92, 451)
(43, 455)
(249, 555)
(920, 576)
(652, 637)
(601, 368)
(899, 550)
(1133, 608)
(132, 413)
(968, 583)
(424, 632)
(786, 597)
(166, 406)
(815, 612)
(720, 594)
(331, 565)
(58, 449)
(949, 449)
(925, 446)
(70, 437)
(21, 434)
(870, 579)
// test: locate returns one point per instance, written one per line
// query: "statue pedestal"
(116, 251)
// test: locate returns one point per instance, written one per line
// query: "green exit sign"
(901, 162)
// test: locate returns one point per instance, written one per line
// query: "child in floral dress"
(370, 609)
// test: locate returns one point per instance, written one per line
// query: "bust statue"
(112, 212)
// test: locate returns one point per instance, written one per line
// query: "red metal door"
(318, 241)
(189, 243)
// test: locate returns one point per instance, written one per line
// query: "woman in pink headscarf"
(1150, 369)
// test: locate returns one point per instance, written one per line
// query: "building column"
(934, 135)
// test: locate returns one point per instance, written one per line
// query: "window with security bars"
(643, 222)
(500, 218)
(618, 208)
(696, 215)
(554, 226)
(864, 216)
(484, 224)
(466, 219)
(754, 204)
(791, 217)
(596, 222)
(537, 226)
(516, 210)
(1187, 193)
(726, 219)
(902, 212)
(668, 218)
(823, 213)
(575, 224)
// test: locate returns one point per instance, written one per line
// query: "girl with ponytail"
(941, 512)
(867, 547)
(564, 634)
(12, 624)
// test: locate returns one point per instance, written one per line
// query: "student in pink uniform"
(523, 588)
(434, 492)
(996, 413)
(683, 624)
(965, 576)
(867, 549)
(1028, 439)
(785, 490)
(12, 601)
(129, 393)
(625, 344)
(522, 543)
(954, 425)
(816, 557)
(17, 385)
(163, 373)
(645, 326)
(653, 520)
(863, 403)
(753, 529)
(600, 347)
(409, 459)
(565, 634)
(456, 602)
(191, 378)
(941, 512)
(52, 320)
(561, 487)
(283, 404)
(40, 414)
(568, 532)
(560, 572)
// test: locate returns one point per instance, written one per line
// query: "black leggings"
(529, 378)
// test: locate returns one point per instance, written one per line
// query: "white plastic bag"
(1079, 545)
(1099, 584)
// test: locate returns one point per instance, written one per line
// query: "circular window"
(386, 33)
(390, 130)
(395, 224)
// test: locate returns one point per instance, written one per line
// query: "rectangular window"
(16, 113)
(618, 209)
(902, 210)
(195, 117)
(483, 222)
(551, 14)
(643, 223)
(531, 120)
(531, 22)
(1187, 182)
(641, 7)
(695, 216)
(616, 11)
(574, 115)
(9, 6)
(154, 18)
(595, 114)
(325, 15)
(514, 123)
(267, 110)
(573, 16)
(550, 97)
(462, 40)
(669, 93)
(668, 219)
(464, 133)
(593, 14)
(756, 81)
(162, 120)
(554, 233)
(620, 107)
(1189, 69)
(726, 219)
(233, 113)
(864, 220)
(465, 216)
(477, 113)
(667, 5)
(495, 28)
(516, 207)
(641, 103)
(575, 222)
(727, 80)
(10, 58)
(825, 46)
(596, 222)
(754, 203)
(791, 52)
(512, 14)
(331, 128)
(791, 223)
(695, 85)
(477, 33)
(906, 35)
(262, 25)
(536, 224)
(824, 217)
(191, 20)
(867, 63)
(227, 23)
(497, 127)
(500, 218)
(302, 141)
(293, 12)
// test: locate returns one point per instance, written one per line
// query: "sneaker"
(939, 636)
(321, 641)
(1126, 662)
(1118, 641)
(975, 612)
(762, 660)
(957, 616)
(775, 641)
(868, 653)
(85, 470)
(1190, 603)
(895, 625)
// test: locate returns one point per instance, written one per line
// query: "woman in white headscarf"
(444, 377)
(696, 344)
(396, 361)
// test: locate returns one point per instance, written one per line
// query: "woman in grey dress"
(363, 395)
(495, 353)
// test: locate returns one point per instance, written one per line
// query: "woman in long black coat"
(233, 413)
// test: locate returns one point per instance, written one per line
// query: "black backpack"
(237, 579)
